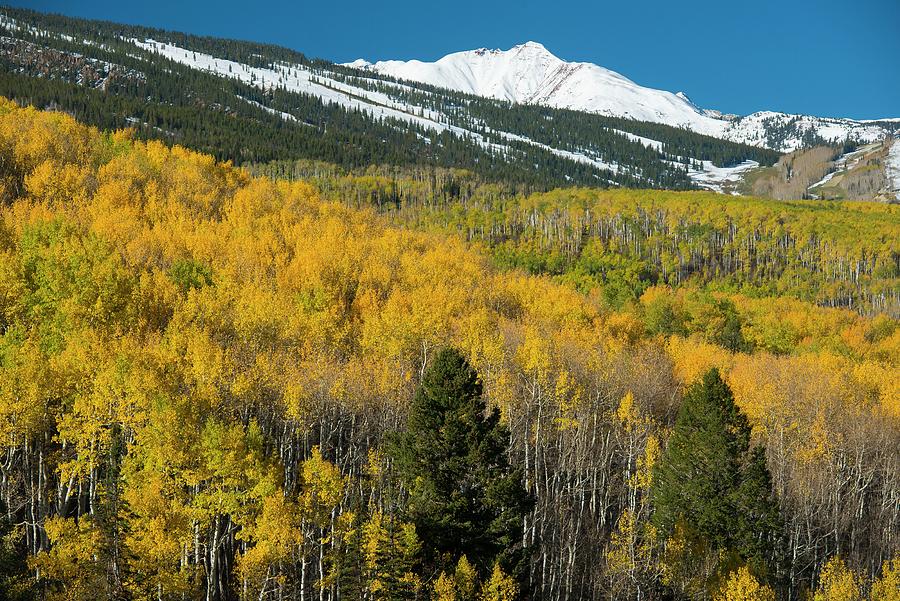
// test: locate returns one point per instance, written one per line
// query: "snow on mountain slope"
(298, 78)
(893, 168)
(756, 129)
(721, 179)
(531, 74)
(293, 77)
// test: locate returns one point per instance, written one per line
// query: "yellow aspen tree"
(741, 585)
(73, 568)
(837, 582)
(887, 586)
(389, 551)
(444, 588)
(499, 587)
(323, 489)
(465, 579)
(272, 536)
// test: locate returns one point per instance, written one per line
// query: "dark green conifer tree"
(712, 484)
(464, 496)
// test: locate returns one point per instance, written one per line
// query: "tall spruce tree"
(711, 483)
(464, 496)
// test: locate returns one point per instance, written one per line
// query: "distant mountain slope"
(253, 103)
(893, 167)
(531, 74)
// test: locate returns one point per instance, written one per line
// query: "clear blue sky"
(823, 57)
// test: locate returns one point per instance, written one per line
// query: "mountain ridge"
(254, 103)
(529, 73)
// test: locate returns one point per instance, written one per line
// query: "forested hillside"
(219, 386)
(621, 242)
(251, 103)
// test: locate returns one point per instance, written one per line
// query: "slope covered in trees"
(621, 242)
(203, 375)
(102, 74)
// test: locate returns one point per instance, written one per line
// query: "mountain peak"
(529, 48)
(532, 45)
(528, 73)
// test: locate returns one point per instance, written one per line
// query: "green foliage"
(189, 275)
(464, 496)
(718, 320)
(662, 316)
(71, 279)
(619, 277)
(15, 584)
(710, 484)
(390, 550)
(508, 256)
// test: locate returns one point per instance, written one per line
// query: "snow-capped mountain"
(531, 74)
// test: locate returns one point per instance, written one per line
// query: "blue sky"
(823, 57)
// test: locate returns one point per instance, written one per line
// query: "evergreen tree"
(711, 484)
(464, 496)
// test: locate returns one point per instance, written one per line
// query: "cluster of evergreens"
(220, 386)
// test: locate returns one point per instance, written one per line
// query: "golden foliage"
(837, 582)
(887, 586)
(742, 586)
(499, 587)
(178, 312)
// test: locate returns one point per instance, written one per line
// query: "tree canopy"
(203, 374)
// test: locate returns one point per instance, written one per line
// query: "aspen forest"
(293, 382)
